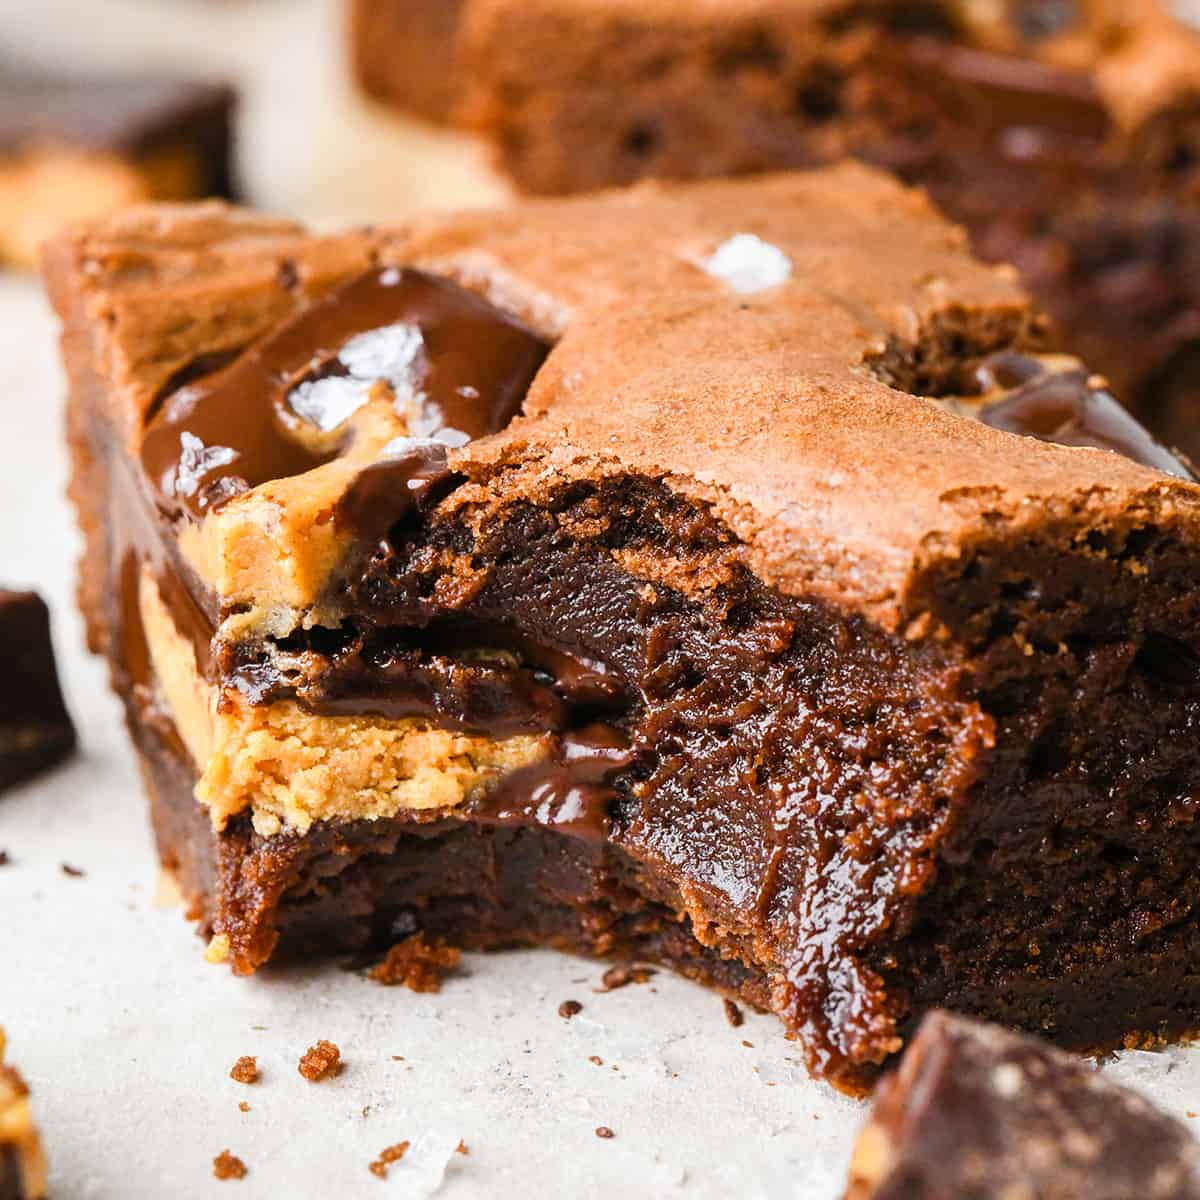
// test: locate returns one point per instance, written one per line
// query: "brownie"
(720, 575)
(1064, 135)
(36, 732)
(22, 1162)
(72, 148)
(975, 1112)
(405, 53)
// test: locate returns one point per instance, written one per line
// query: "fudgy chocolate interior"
(772, 794)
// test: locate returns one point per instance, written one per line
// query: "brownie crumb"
(243, 1107)
(462, 1148)
(320, 1062)
(595, 1060)
(228, 1166)
(733, 1014)
(393, 1154)
(603, 1131)
(72, 872)
(748, 1045)
(568, 1008)
(245, 1070)
(624, 974)
(416, 964)
(4, 859)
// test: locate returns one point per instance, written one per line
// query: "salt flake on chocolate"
(748, 264)
(196, 460)
(391, 354)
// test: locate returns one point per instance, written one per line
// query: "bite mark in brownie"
(36, 732)
(977, 1113)
(72, 148)
(814, 663)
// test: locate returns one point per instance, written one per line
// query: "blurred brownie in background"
(77, 148)
(406, 53)
(1064, 135)
(35, 727)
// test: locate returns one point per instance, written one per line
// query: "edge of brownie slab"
(893, 854)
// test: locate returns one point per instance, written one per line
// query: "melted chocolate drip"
(237, 429)
(572, 793)
(1067, 407)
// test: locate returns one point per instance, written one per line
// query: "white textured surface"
(127, 1035)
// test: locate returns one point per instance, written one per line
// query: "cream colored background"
(127, 1034)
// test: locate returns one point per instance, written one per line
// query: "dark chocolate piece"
(35, 728)
(974, 1112)
(124, 114)
(1070, 407)
(458, 366)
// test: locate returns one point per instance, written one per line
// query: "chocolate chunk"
(456, 368)
(35, 727)
(977, 1113)
(1071, 408)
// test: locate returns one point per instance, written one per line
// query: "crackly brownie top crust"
(765, 348)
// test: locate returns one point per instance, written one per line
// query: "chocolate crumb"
(595, 1060)
(1191, 1115)
(245, 1070)
(603, 1131)
(733, 1014)
(397, 1058)
(228, 1166)
(243, 1107)
(393, 1154)
(320, 1062)
(748, 1045)
(568, 1008)
(72, 872)
(4, 859)
(416, 964)
(461, 1148)
(624, 974)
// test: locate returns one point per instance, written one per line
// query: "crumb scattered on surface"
(733, 1014)
(4, 859)
(245, 1070)
(568, 1008)
(416, 964)
(462, 1148)
(624, 974)
(393, 1154)
(397, 1058)
(1191, 1115)
(243, 1107)
(603, 1131)
(218, 948)
(320, 1062)
(748, 1045)
(228, 1166)
(72, 872)
(595, 1060)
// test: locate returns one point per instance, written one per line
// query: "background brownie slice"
(803, 631)
(76, 147)
(976, 1113)
(1064, 136)
(35, 727)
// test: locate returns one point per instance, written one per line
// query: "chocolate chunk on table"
(77, 147)
(721, 576)
(974, 1112)
(1065, 136)
(36, 731)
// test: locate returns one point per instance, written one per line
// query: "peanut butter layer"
(289, 768)
(18, 1134)
(768, 405)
